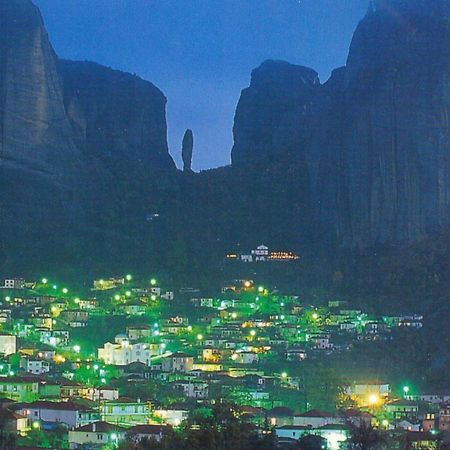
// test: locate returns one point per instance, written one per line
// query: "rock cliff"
(375, 136)
(117, 116)
(81, 146)
(272, 116)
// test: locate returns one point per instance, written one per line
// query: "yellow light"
(261, 289)
(234, 356)
(153, 281)
(128, 293)
(128, 277)
(77, 300)
(385, 423)
(65, 290)
(252, 333)
(284, 375)
(117, 297)
(36, 425)
(234, 315)
(44, 281)
(247, 284)
(373, 399)
(189, 328)
(315, 316)
(199, 337)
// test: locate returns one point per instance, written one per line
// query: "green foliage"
(365, 437)
(217, 429)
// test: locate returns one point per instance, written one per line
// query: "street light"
(128, 277)
(405, 390)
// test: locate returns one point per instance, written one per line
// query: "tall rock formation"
(396, 131)
(375, 136)
(187, 148)
(81, 147)
(272, 116)
(38, 156)
(118, 116)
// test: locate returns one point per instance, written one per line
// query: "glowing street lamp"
(253, 333)
(247, 284)
(128, 277)
(405, 390)
(284, 375)
(260, 289)
(44, 281)
(199, 337)
(373, 399)
(315, 316)
(65, 290)
(153, 281)
(128, 294)
(76, 348)
(117, 297)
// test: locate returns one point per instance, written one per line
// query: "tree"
(365, 437)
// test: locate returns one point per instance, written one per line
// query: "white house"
(193, 388)
(67, 413)
(124, 353)
(96, 434)
(37, 366)
(126, 411)
(8, 344)
(14, 283)
(177, 362)
(245, 357)
(101, 393)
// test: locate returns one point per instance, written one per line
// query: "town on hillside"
(130, 361)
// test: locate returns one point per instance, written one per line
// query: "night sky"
(200, 53)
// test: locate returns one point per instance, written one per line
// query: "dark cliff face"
(35, 132)
(272, 116)
(396, 134)
(117, 116)
(374, 136)
(38, 156)
(80, 147)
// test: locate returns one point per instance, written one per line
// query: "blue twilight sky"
(200, 52)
